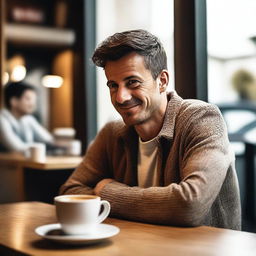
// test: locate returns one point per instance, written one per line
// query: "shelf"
(39, 35)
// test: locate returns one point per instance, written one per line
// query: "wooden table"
(19, 176)
(17, 237)
(51, 162)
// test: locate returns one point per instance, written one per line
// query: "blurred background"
(211, 48)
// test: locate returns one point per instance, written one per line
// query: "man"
(169, 162)
(18, 128)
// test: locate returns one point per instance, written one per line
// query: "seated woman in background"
(18, 127)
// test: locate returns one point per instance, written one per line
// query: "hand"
(101, 185)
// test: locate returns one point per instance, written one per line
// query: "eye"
(132, 83)
(112, 86)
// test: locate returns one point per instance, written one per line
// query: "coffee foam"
(76, 198)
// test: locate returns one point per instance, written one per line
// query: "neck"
(16, 113)
(151, 128)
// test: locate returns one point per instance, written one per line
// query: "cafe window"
(113, 16)
(232, 65)
(231, 37)
(231, 50)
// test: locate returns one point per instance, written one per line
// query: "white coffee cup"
(37, 152)
(80, 214)
(74, 148)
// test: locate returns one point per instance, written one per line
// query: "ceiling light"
(52, 81)
(18, 73)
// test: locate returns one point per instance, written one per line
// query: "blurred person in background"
(18, 127)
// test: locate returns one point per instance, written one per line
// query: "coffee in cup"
(80, 214)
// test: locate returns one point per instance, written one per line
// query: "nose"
(123, 94)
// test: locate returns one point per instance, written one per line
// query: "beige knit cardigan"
(197, 182)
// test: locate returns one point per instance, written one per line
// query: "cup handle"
(105, 212)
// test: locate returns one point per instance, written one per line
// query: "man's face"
(26, 104)
(134, 93)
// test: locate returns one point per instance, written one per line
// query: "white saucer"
(53, 232)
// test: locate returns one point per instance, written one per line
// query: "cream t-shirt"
(147, 163)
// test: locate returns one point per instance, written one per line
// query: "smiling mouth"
(128, 107)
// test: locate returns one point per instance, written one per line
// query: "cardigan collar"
(172, 110)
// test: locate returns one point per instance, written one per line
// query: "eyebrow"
(125, 79)
(131, 77)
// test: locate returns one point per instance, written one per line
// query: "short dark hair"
(139, 41)
(16, 90)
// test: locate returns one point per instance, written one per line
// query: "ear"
(163, 80)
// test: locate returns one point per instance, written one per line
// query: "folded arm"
(184, 204)
(40, 133)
